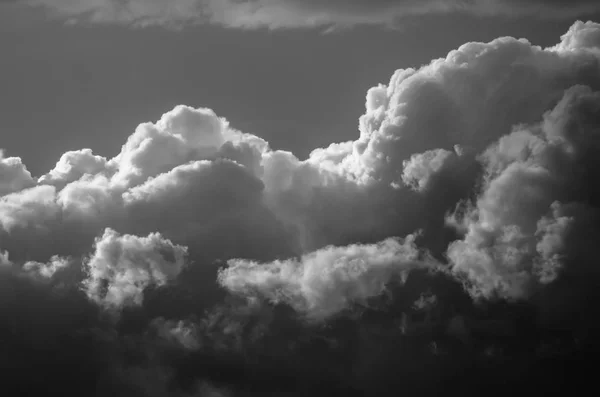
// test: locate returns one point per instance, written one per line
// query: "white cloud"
(122, 266)
(421, 167)
(73, 165)
(47, 270)
(28, 207)
(581, 36)
(538, 187)
(14, 176)
(327, 281)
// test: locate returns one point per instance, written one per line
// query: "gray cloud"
(298, 13)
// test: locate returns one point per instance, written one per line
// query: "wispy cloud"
(276, 14)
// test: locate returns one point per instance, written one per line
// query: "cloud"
(490, 152)
(27, 207)
(14, 176)
(47, 270)
(538, 189)
(122, 266)
(422, 167)
(327, 281)
(276, 14)
(182, 332)
(188, 172)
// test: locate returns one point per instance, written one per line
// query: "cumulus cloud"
(421, 167)
(73, 165)
(327, 281)
(299, 13)
(189, 172)
(27, 207)
(14, 176)
(122, 266)
(47, 270)
(538, 183)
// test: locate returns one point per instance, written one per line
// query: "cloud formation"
(121, 267)
(537, 206)
(14, 176)
(327, 281)
(216, 249)
(275, 14)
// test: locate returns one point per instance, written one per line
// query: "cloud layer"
(275, 14)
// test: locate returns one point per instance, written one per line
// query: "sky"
(298, 197)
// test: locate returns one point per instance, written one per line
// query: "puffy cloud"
(538, 186)
(47, 270)
(188, 175)
(327, 281)
(299, 13)
(122, 266)
(73, 165)
(581, 36)
(421, 167)
(28, 207)
(14, 176)
(459, 104)
(178, 137)
(470, 98)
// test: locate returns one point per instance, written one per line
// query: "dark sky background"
(72, 87)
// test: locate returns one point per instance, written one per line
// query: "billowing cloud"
(538, 188)
(422, 167)
(73, 165)
(327, 281)
(188, 174)
(299, 13)
(14, 176)
(122, 266)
